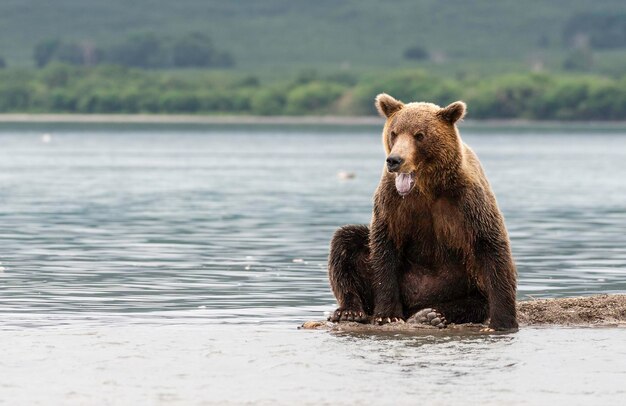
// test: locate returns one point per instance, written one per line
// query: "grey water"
(173, 264)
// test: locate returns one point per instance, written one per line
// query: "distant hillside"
(296, 33)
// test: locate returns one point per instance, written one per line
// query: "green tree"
(44, 51)
(510, 96)
(69, 52)
(268, 102)
(313, 97)
(578, 59)
(416, 53)
(197, 50)
(139, 50)
(15, 96)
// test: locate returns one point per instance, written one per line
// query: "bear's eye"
(419, 136)
(392, 136)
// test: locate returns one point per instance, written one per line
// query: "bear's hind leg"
(473, 309)
(429, 316)
(349, 274)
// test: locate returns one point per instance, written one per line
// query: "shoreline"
(186, 119)
(29, 118)
(603, 310)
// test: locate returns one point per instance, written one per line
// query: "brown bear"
(437, 248)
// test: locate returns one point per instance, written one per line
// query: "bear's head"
(421, 141)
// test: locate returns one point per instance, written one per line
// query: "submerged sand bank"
(600, 310)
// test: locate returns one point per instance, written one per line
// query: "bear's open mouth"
(404, 183)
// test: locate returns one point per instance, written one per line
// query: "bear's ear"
(453, 112)
(387, 105)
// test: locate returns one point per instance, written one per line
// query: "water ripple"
(236, 224)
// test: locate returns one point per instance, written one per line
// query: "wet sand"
(587, 311)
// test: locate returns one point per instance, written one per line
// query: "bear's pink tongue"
(404, 183)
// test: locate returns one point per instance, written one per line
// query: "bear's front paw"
(345, 314)
(503, 324)
(385, 316)
(500, 328)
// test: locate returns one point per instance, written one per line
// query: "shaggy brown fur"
(443, 245)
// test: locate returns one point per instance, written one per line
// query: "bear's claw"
(429, 316)
(348, 315)
(385, 320)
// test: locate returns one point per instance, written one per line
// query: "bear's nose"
(394, 162)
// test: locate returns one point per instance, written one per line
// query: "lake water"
(172, 265)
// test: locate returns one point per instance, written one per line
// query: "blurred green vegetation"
(62, 88)
(280, 36)
(562, 59)
(597, 29)
(144, 50)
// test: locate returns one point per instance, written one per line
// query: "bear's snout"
(394, 162)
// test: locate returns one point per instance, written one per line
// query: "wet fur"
(443, 246)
